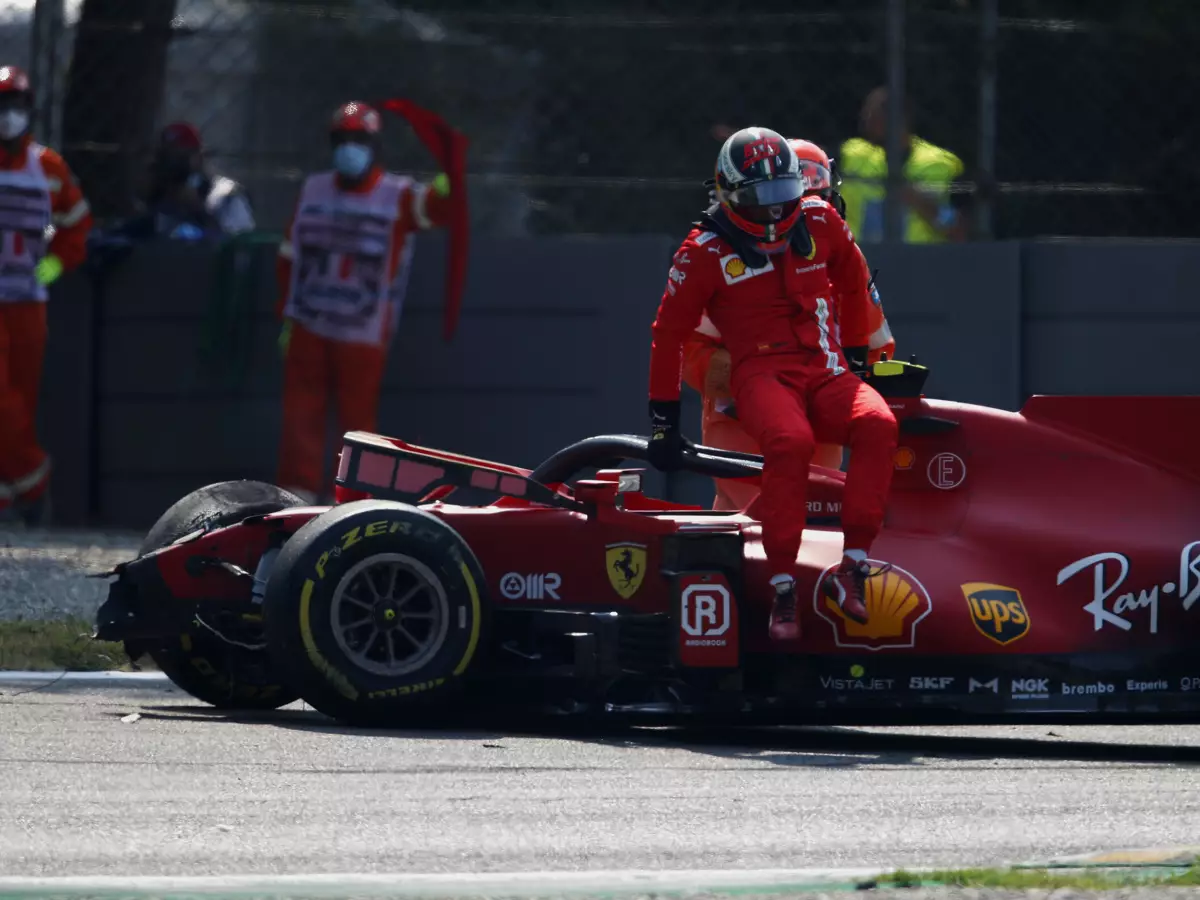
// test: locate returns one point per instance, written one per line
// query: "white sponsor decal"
(946, 471)
(857, 684)
(1135, 687)
(993, 686)
(1098, 688)
(705, 613)
(919, 683)
(1187, 588)
(538, 586)
(1030, 688)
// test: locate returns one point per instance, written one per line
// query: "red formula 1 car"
(1044, 563)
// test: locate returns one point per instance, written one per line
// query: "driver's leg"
(846, 409)
(771, 409)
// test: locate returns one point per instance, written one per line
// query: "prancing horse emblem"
(626, 564)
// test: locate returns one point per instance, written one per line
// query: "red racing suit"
(789, 377)
(706, 371)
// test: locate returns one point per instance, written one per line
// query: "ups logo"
(998, 612)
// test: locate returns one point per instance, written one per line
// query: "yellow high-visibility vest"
(863, 167)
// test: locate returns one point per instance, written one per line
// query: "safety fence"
(1069, 117)
(164, 374)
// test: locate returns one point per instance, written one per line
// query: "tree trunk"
(114, 88)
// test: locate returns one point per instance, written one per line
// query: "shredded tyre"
(198, 661)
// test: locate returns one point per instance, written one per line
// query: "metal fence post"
(48, 17)
(893, 207)
(985, 182)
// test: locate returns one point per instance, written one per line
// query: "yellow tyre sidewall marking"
(474, 640)
(332, 675)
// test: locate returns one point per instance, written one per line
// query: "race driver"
(706, 360)
(761, 271)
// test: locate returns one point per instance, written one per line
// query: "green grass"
(1087, 879)
(54, 646)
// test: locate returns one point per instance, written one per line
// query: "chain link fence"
(1070, 117)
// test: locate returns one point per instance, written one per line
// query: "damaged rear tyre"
(198, 661)
(375, 611)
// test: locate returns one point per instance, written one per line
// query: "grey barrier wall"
(162, 379)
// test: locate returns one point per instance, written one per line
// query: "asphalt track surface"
(183, 789)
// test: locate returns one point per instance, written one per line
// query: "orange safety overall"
(37, 192)
(342, 271)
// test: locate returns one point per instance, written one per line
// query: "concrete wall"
(150, 391)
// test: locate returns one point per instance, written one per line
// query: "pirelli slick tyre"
(198, 661)
(375, 612)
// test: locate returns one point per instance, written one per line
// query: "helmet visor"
(767, 202)
(815, 176)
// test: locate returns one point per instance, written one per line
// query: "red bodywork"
(1070, 527)
(1012, 500)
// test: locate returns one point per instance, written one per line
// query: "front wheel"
(211, 669)
(375, 610)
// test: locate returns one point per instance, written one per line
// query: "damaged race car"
(1044, 563)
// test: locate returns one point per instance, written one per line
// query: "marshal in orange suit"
(342, 270)
(706, 367)
(38, 197)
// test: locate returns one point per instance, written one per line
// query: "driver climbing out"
(761, 272)
(706, 360)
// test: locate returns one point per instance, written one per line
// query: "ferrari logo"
(626, 565)
(735, 268)
(998, 612)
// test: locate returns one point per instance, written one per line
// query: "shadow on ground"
(789, 746)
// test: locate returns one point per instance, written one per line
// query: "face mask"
(13, 123)
(175, 168)
(352, 160)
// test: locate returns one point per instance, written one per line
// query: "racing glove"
(665, 451)
(857, 358)
(48, 269)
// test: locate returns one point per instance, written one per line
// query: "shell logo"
(896, 601)
(735, 268)
(904, 458)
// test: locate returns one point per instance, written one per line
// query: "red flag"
(449, 148)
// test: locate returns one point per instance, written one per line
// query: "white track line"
(451, 884)
(114, 678)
